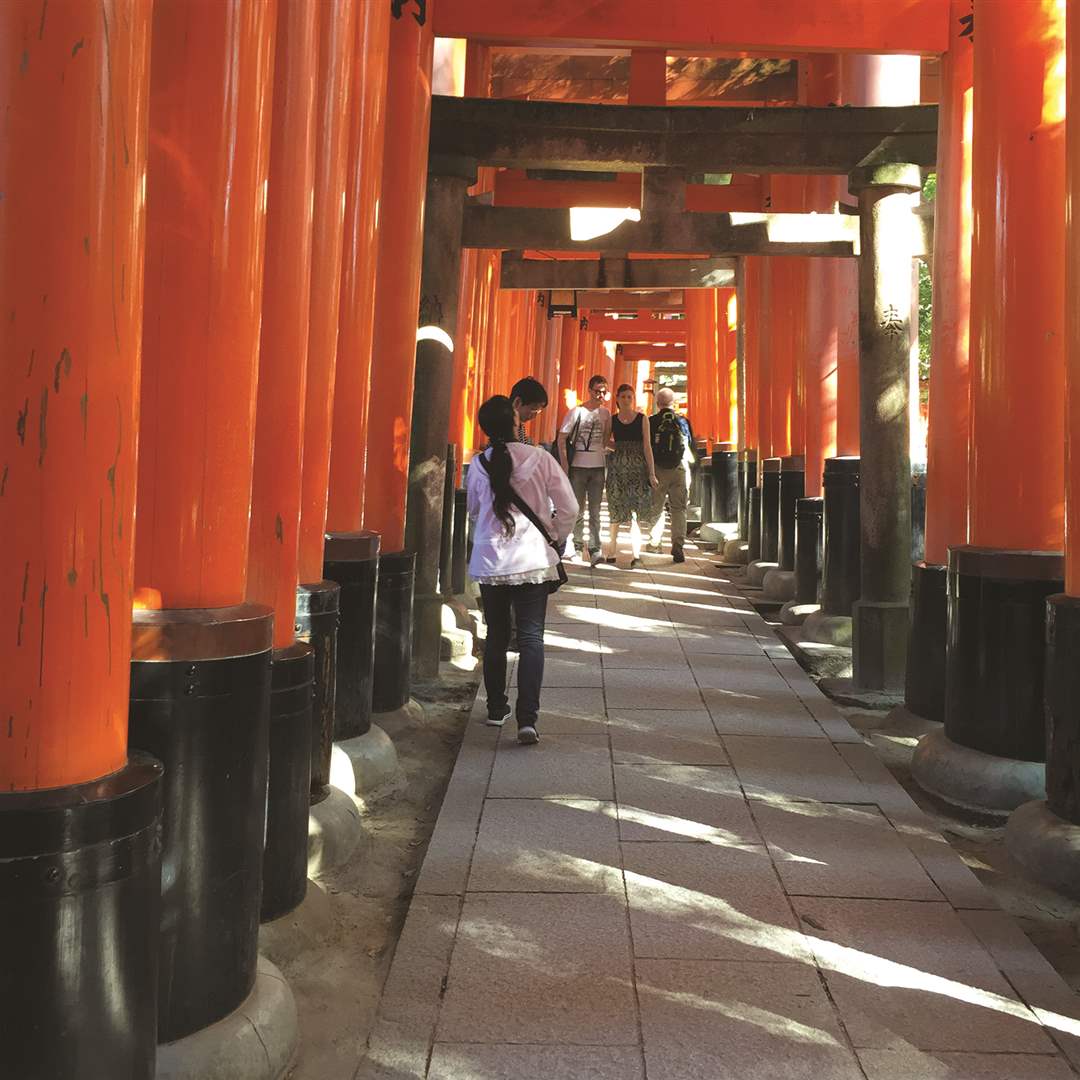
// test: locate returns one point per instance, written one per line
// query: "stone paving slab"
(703, 872)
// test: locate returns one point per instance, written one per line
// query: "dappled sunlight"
(688, 830)
(555, 640)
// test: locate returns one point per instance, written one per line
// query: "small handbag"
(527, 510)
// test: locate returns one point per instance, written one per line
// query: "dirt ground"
(335, 950)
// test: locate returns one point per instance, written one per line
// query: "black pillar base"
(352, 560)
(997, 649)
(747, 475)
(770, 510)
(753, 550)
(924, 687)
(200, 704)
(725, 478)
(317, 614)
(1063, 706)
(792, 489)
(393, 631)
(460, 560)
(288, 785)
(808, 549)
(80, 898)
(840, 578)
(705, 475)
(446, 539)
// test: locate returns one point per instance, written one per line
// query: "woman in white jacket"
(512, 561)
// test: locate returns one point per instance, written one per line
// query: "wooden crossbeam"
(615, 273)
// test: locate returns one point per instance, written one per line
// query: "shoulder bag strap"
(527, 510)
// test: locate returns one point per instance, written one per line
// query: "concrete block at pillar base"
(827, 629)
(737, 552)
(795, 614)
(258, 1041)
(906, 718)
(718, 532)
(973, 780)
(844, 692)
(1046, 846)
(779, 585)
(372, 761)
(879, 641)
(756, 571)
(334, 827)
(457, 640)
(818, 658)
(427, 634)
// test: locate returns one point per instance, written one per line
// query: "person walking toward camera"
(672, 447)
(631, 476)
(522, 508)
(582, 446)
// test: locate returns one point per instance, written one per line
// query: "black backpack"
(668, 440)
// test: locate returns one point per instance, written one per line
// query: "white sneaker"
(498, 721)
(528, 735)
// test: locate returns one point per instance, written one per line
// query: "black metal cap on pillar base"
(792, 489)
(990, 755)
(393, 631)
(770, 510)
(1044, 837)
(200, 704)
(840, 582)
(288, 785)
(924, 687)
(753, 552)
(352, 560)
(460, 560)
(317, 614)
(82, 860)
(725, 478)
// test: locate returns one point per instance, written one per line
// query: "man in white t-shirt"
(586, 429)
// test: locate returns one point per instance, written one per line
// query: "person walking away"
(582, 447)
(529, 399)
(513, 559)
(631, 476)
(672, 447)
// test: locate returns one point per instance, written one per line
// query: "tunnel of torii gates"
(256, 280)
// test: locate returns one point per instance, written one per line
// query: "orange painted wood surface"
(1072, 311)
(1017, 279)
(279, 418)
(950, 384)
(210, 105)
(337, 52)
(72, 171)
(397, 291)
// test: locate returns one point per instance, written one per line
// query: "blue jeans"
(529, 605)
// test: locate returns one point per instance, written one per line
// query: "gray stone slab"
(580, 640)
(1030, 973)
(459, 1061)
(650, 737)
(395, 1052)
(808, 769)
(541, 968)
(824, 849)
(747, 674)
(907, 974)
(561, 671)
(725, 1020)
(916, 1065)
(782, 716)
(664, 653)
(718, 641)
(708, 902)
(536, 845)
(633, 628)
(581, 701)
(683, 615)
(682, 803)
(626, 688)
(559, 766)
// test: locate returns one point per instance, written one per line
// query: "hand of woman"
(653, 482)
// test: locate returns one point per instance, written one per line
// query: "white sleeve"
(472, 497)
(562, 499)
(568, 421)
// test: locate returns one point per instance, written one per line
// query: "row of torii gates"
(226, 455)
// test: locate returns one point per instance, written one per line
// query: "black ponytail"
(497, 421)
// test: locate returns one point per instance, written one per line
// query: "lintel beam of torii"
(624, 300)
(780, 27)
(615, 273)
(697, 139)
(636, 329)
(652, 353)
(827, 235)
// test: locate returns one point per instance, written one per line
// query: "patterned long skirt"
(628, 491)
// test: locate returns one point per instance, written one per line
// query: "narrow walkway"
(701, 872)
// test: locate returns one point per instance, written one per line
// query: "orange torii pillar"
(318, 600)
(200, 679)
(991, 751)
(764, 551)
(397, 302)
(568, 366)
(78, 816)
(273, 544)
(947, 444)
(748, 291)
(1043, 835)
(700, 391)
(351, 553)
(725, 456)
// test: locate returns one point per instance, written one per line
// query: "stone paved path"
(700, 873)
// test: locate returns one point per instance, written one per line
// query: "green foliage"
(926, 300)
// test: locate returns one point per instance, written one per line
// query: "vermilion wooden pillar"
(364, 213)
(998, 582)
(568, 365)
(78, 819)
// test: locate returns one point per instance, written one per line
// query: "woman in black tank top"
(631, 476)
